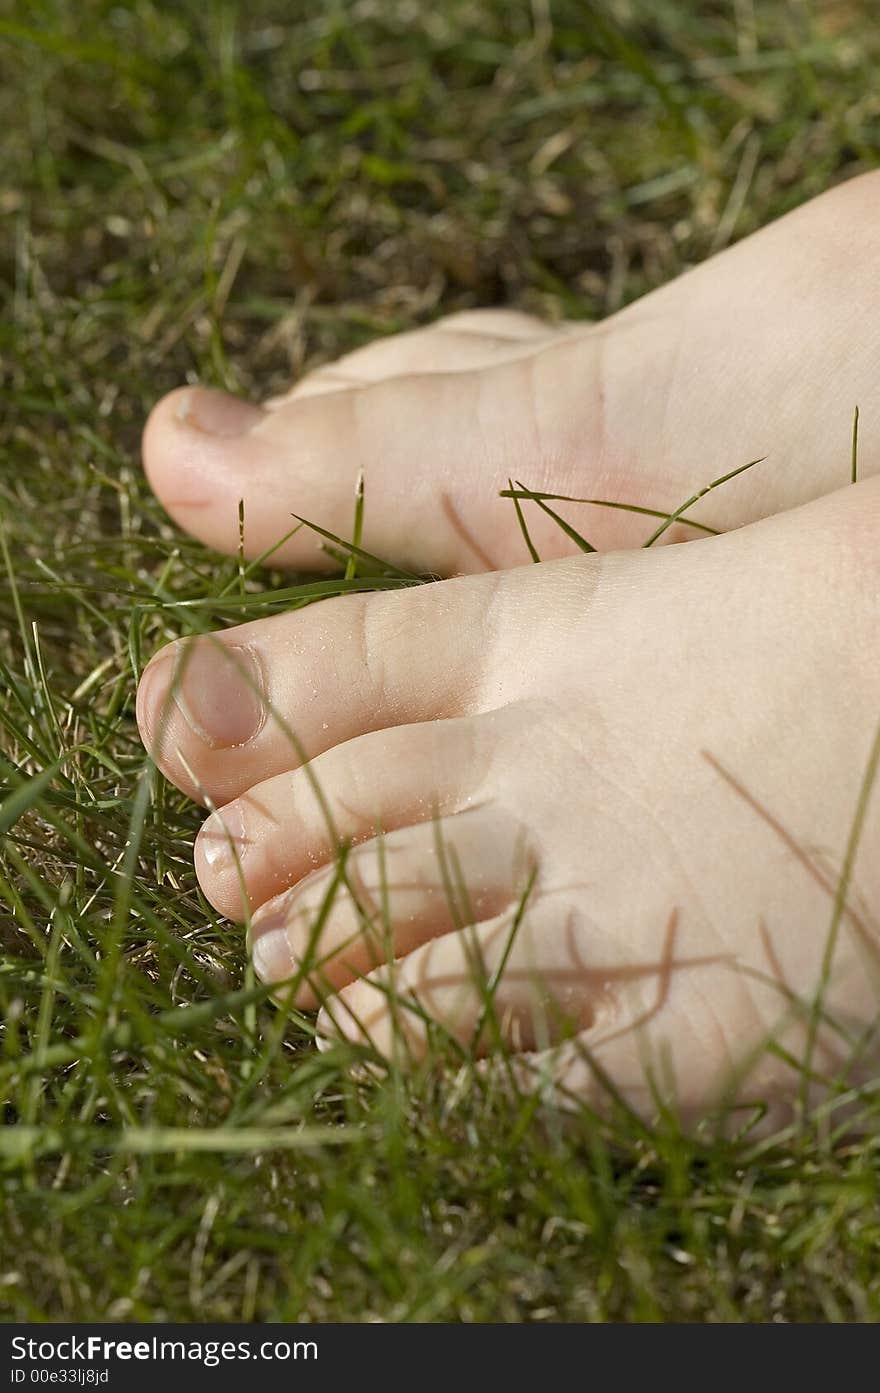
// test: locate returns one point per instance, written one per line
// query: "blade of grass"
(580, 542)
(351, 564)
(516, 494)
(510, 492)
(695, 498)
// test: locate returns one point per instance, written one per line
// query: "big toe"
(432, 450)
(223, 712)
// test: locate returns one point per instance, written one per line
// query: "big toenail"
(222, 838)
(219, 688)
(153, 703)
(216, 413)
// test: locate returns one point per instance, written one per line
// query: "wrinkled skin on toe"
(613, 791)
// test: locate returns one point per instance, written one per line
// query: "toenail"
(222, 838)
(152, 704)
(273, 959)
(217, 413)
(220, 692)
(338, 1022)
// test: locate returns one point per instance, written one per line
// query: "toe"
(527, 978)
(224, 712)
(457, 343)
(514, 326)
(434, 450)
(606, 1075)
(665, 1068)
(586, 1025)
(287, 827)
(389, 896)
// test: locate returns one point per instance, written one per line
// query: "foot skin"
(664, 748)
(763, 351)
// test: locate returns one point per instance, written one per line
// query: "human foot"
(662, 751)
(763, 351)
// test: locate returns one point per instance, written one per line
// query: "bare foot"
(661, 750)
(763, 351)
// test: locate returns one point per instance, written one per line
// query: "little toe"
(527, 978)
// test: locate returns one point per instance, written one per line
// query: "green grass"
(230, 192)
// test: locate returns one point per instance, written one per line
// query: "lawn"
(230, 193)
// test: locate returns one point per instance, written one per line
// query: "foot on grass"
(618, 789)
(765, 350)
